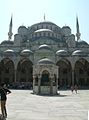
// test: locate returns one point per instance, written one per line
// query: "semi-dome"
(43, 30)
(62, 53)
(79, 53)
(82, 42)
(44, 46)
(6, 42)
(26, 52)
(45, 61)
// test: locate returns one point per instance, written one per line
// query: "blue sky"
(60, 12)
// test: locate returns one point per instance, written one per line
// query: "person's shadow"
(2, 118)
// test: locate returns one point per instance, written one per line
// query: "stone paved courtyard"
(23, 105)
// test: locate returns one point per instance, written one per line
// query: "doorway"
(45, 80)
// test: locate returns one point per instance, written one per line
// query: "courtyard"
(24, 105)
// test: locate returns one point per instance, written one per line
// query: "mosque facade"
(45, 55)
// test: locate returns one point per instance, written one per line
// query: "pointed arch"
(64, 73)
(7, 71)
(24, 71)
(81, 72)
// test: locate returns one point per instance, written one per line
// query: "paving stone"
(23, 105)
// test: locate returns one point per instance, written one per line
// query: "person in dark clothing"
(76, 88)
(72, 89)
(3, 96)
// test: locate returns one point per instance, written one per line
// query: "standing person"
(3, 94)
(76, 88)
(72, 89)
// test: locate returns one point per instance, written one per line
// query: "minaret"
(10, 30)
(78, 34)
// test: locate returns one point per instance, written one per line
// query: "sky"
(29, 12)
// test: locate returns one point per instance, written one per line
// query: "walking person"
(3, 95)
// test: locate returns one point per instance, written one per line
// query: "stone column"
(72, 77)
(73, 66)
(39, 83)
(56, 81)
(77, 82)
(33, 83)
(51, 85)
(60, 78)
(69, 78)
(56, 84)
(15, 74)
(57, 77)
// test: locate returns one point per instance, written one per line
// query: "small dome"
(66, 27)
(7, 42)
(62, 53)
(79, 53)
(45, 61)
(26, 52)
(9, 52)
(44, 46)
(22, 30)
(22, 27)
(43, 30)
(66, 31)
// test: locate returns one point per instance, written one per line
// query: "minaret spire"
(44, 16)
(78, 34)
(10, 30)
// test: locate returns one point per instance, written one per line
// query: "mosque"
(45, 55)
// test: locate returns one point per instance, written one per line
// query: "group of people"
(3, 97)
(74, 88)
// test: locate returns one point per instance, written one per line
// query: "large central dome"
(44, 29)
(44, 25)
(46, 22)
